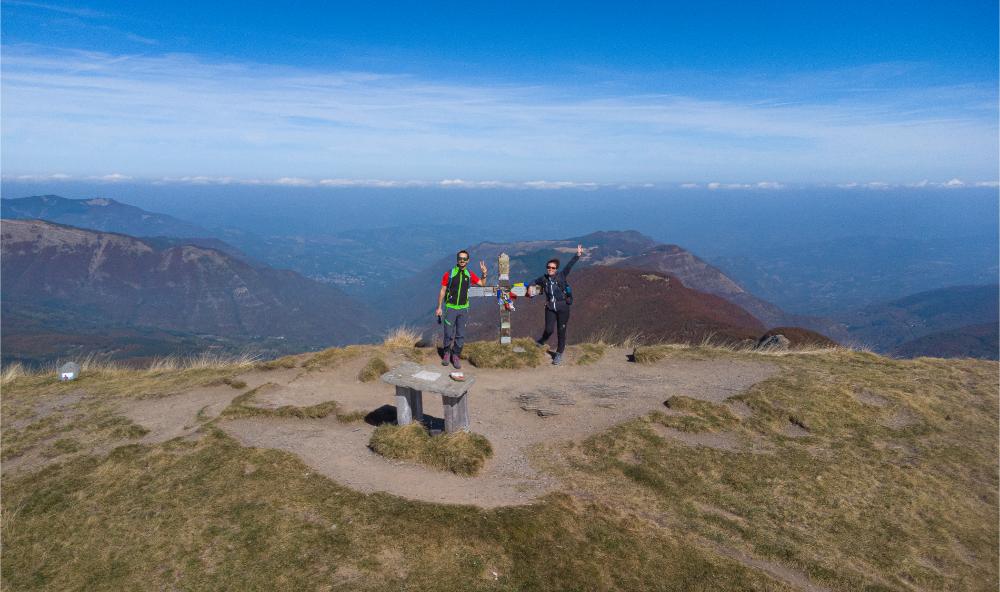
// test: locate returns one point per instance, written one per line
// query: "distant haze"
(712, 223)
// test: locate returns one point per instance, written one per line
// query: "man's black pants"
(555, 321)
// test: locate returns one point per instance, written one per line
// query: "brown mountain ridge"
(614, 304)
(109, 280)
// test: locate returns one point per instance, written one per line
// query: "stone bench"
(411, 380)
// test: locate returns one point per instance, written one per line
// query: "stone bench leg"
(456, 414)
(409, 405)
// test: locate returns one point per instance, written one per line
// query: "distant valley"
(951, 322)
(356, 261)
(831, 277)
(173, 286)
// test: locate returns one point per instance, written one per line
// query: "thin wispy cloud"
(141, 39)
(183, 117)
(71, 10)
(54, 20)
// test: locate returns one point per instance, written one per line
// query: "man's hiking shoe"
(557, 360)
(540, 343)
(445, 358)
(456, 362)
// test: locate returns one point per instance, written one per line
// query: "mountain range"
(357, 261)
(969, 341)
(413, 302)
(947, 317)
(184, 286)
(107, 280)
(101, 214)
(615, 304)
(835, 277)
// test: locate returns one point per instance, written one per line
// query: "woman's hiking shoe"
(557, 360)
(445, 358)
(456, 361)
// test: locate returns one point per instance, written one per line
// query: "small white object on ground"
(69, 371)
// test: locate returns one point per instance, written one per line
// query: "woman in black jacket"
(558, 300)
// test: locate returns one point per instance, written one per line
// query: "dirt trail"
(180, 414)
(504, 407)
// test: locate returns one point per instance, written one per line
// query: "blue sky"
(510, 93)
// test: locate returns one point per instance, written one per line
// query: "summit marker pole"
(502, 292)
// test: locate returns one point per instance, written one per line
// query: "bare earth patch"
(300, 388)
(46, 406)
(178, 415)
(793, 430)
(504, 407)
(869, 398)
(901, 418)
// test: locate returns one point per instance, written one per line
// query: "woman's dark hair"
(459, 254)
(556, 261)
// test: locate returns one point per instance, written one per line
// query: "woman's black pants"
(555, 321)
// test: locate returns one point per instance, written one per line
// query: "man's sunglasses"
(551, 267)
(463, 258)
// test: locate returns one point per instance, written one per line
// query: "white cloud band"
(185, 117)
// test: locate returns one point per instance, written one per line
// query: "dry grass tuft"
(491, 354)
(205, 361)
(414, 354)
(697, 415)
(351, 416)
(332, 357)
(631, 341)
(236, 384)
(649, 354)
(375, 367)
(402, 337)
(286, 363)
(240, 408)
(12, 372)
(94, 365)
(463, 453)
(590, 353)
(612, 337)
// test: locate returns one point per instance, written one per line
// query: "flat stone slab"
(421, 378)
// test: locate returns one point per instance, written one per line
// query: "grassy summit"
(845, 470)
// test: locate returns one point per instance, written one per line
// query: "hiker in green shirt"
(454, 296)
